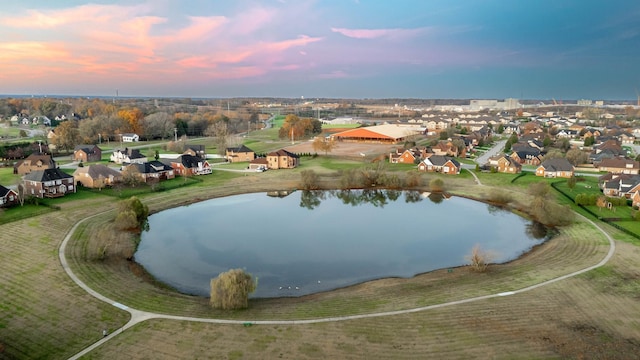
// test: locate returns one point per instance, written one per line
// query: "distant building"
(129, 137)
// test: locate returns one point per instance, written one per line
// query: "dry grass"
(571, 319)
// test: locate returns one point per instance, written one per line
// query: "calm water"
(316, 241)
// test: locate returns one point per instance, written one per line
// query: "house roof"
(239, 149)
(188, 161)
(440, 160)
(260, 161)
(47, 175)
(97, 170)
(33, 158)
(151, 167)
(4, 191)
(85, 146)
(283, 152)
(557, 164)
(382, 132)
(620, 163)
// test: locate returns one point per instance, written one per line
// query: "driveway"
(495, 150)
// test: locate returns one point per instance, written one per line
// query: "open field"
(583, 317)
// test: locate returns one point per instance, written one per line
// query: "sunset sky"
(531, 49)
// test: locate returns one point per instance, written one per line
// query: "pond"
(313, 241)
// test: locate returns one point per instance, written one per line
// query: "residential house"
(8, 197)
(557, 167)
(130, 137)
(49, 183)
(97, 176)
(407, 156)
(528, 156)
(619, 166)
(623, 185)
(506, 164)
(34, 162)
(188, 165)
(635, 199)
(150, 171)
(239, 154)
(627, 138)
(441, 164)
(447, 148)
(259, 163)
(195, 150)
(282, 159)
(127, 156)
(86, 153)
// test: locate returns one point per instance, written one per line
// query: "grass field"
(45, 315)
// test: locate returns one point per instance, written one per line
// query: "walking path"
(138, 316)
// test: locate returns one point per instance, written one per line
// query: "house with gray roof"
(557, 167)
(49, 183)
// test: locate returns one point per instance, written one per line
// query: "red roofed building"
(384, 134)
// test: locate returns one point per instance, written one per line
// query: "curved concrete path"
(138, 316)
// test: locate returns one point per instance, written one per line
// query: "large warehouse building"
(381, 134)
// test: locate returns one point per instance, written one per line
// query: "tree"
(571, 182)
(220, 131)
(553, 154)
(231, 289)
(512, 140)
(576, 157)
(589, 141)
(134, 118)
(309, 180)
(324, 144)
(159, 125)
(436, 185)
(297, 128)
(132, 215)
(544, 208)
(479, 259)
(67, 135)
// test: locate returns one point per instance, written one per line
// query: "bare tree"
(479, 259)
(220, 131)
(159, 125)
(324, 144)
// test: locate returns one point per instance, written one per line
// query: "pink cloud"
(286, 44)
(199, 28)
(252, 20)
(112, 42)
(377, 33)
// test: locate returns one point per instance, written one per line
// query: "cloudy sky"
(531, 49)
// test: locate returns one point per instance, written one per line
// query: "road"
(496, 149)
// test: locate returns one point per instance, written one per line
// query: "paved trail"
(138, 316)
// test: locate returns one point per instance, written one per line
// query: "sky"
(484, 49)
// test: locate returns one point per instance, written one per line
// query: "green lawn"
(7, 177)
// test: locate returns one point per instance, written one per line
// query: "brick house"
(48, 183)
(282, 159)
(86, 153)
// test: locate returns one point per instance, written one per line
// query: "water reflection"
(380, 233)
(311, 199)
